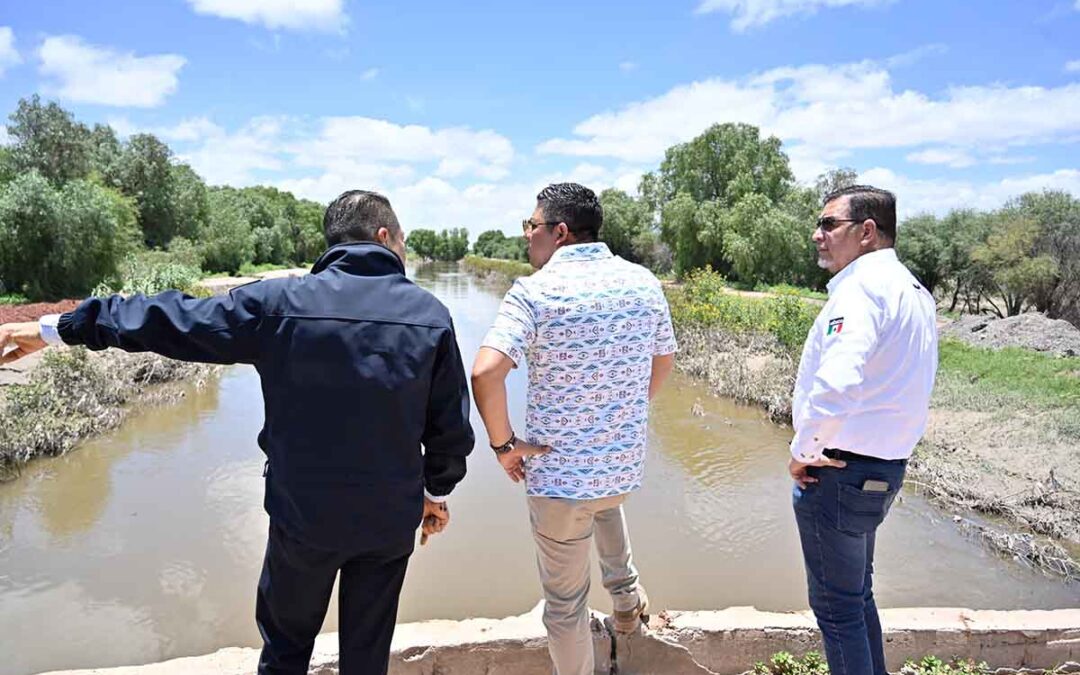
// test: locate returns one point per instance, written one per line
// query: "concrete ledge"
(724, 642)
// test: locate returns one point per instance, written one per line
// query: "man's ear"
(870, 230)
(563, 233)
(383, 235)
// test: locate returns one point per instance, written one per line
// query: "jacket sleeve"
(448, 436)
(220, 329)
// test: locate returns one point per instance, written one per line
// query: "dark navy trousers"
(838, 523)
(294, 592)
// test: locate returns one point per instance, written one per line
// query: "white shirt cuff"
(432, 498)
(47, 324)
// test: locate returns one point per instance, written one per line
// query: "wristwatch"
(507, 446)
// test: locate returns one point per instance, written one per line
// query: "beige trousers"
(563, 529)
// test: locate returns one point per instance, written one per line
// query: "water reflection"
(146, 544)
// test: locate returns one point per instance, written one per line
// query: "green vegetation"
(495, 244)
(448, 245)
(76, 204)
(704, 301)
(73, 394)
(13, 299)
(507, 269)
(971, 378)
(812, 663)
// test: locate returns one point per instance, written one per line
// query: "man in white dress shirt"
(861, 403)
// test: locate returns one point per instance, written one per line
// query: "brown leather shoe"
(627, 621)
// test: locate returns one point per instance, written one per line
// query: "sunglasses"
(828, 223)
(527, 225)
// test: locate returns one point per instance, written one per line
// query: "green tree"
(923, 246)
(61, 242)
(835, 179)
(106, 152)
(225, 239)
(489, 243)
(700, 189)
(1057, 215)
(189, 206)
(47, 139)
(452, 244)
(146, 175)
(1015, 271)
(724, 164)
(422, 242)
(7, 165)
(625, 219)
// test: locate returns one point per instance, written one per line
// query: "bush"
(508, 269)
(150, 273)
(932, 665)
(706, 301)
(61, 242)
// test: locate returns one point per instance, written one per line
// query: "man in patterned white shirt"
(596, 333)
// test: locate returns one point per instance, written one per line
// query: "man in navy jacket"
(359, 369)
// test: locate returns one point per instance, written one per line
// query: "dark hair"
(866, 202)
(575, 205)
(357, 215)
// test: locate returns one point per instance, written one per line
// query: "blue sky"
(461, 111)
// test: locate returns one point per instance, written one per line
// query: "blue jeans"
(838, 522)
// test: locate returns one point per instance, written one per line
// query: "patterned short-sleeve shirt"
(588, 325)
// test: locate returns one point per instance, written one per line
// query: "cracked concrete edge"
(678, 643)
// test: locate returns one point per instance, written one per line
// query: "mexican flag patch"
(835, 325)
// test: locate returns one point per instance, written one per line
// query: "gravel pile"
(1030, 331)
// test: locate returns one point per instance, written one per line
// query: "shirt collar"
(580, 252)
(863, 262)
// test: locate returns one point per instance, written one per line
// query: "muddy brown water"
(146, 544)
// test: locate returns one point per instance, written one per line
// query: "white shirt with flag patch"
(588, 324)
(868, 365)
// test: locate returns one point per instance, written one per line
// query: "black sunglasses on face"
(828, 223)
(527, 225)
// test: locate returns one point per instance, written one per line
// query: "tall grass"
(507, 269)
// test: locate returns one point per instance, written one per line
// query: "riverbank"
(53, 400)
(727, 642)
(1000, 449)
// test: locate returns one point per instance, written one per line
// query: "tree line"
(76, 202)
(729, 200)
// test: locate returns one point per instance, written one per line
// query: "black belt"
(844, 455)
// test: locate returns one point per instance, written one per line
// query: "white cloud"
(9, 56)
(90, 74)
(752, 13)
(628, 66)
(324, 15)
(912, 57)
(369, 74)
(1073, 66)
(223, 158)
(457, 150)
(822, 112)
(939, 196)
(950, 157)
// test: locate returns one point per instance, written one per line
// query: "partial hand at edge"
(513, 462)
(18, 340)
(436, 518)
(798, 470)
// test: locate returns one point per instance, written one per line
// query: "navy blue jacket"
(359, 368)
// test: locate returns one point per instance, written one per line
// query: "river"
(146, 544)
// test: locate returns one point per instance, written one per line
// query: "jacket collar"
(864, 262)
(580, 252)
(362, 258)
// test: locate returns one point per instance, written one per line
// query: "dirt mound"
(34, 311)
(1029, 331)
